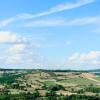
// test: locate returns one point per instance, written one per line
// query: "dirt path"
(94, 80)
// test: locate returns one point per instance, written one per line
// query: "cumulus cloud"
(18, 48)
(19, 54)
(11, 37)
(84, 60)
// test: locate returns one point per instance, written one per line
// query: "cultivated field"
(44, 82)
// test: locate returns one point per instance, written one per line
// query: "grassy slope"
(97, 78)
(49, 83)
(79, 81)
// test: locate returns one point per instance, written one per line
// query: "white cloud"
(6, 22)
(45, 23)
(58, 8)
(17, 49)
(84, 60)
(63, 22)
(19, 55)
(85, 20)
(52, 10)
(67, 6)
(11, 37)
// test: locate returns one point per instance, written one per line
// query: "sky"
(50, 34)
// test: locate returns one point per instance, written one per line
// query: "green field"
(49, 83)
(79, 81)
(97, 78)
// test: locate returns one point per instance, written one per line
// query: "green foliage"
(51, 95)
(93, 89)
(56, 87)
(8, 79)
(49, 83)
(21, 96)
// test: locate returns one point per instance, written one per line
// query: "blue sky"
(51, 34)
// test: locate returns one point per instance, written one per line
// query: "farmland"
(42, 84)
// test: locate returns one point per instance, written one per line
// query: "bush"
(56, 87)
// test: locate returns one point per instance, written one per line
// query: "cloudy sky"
(51, 34)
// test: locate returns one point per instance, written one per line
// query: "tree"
(56, 87)
(51, 95)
